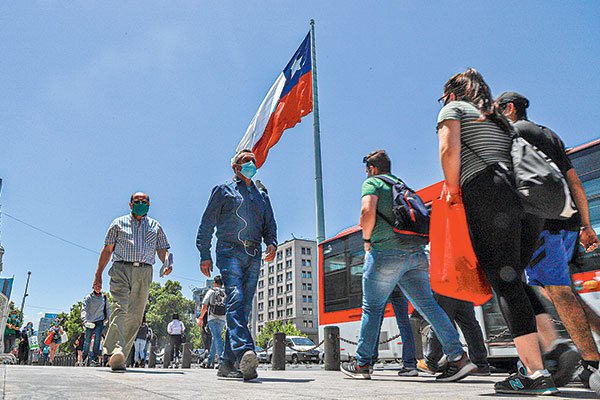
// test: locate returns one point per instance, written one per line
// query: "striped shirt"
(484, 137)
(136, 241)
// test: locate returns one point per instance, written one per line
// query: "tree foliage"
(162, 303)
(272, 327)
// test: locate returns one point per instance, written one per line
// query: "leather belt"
(136, 264)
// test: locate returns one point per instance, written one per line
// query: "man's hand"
(588, 238)
(270, 253)
(168, 270)
(454, 198)
(206, 267)
(97, 285)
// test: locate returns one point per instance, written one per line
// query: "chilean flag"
(289, 99)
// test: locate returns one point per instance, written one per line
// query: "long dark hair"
(471, 87)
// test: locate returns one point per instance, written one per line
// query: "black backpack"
(411, 216)
(218, 308)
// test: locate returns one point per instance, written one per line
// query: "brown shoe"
(117, 361)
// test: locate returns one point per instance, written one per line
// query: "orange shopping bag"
(454, 270)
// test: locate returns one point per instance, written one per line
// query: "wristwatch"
(366, 240)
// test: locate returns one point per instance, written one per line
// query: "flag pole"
(317, 140)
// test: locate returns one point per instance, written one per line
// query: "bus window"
(335, 285)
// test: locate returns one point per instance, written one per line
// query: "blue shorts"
(549, 265)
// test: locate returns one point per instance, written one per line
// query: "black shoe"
(353, 370)
(457, 370)
(228, 372)
(585, 371)
(408, 372)
(561, 362)
(248, 365)
(536, 384)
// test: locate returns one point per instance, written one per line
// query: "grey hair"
(238, 155)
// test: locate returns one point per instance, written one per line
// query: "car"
(297, 349)
(261, 354)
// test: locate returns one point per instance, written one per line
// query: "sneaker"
(561, 362)
(408, 372)
(584, 372)
(423, 367)
(538, 383)
(117, 361)
(594, 381)
(228, 372)
(457, 370)
(248, 365)
(353, 370)
(482, 371)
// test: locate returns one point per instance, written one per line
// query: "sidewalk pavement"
(32, 382)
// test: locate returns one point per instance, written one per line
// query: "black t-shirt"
(547, 141)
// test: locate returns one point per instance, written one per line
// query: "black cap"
(512, 97)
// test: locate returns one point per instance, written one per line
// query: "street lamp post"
(25, 294)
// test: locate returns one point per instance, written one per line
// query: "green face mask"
(140, 208)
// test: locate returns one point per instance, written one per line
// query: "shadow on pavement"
(284, 380)
(145, 371)
(579, 394)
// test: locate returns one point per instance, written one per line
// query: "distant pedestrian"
(394, 259)
(133, 240)
(140, 344)
(78, 345)
(11, 331)
(149, 344)
(175, 329)
(56, 332)
(213, 304)
(23, 354)
(45, 353)
(242, 213)
(549, 266)
(475, 150)
(94, 314)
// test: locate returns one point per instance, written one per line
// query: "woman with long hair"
(475, 140)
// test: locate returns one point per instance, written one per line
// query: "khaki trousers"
(129, 288)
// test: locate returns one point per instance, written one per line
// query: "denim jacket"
(239, 212)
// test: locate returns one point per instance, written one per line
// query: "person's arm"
(205, 302)
(170, 328)
(162, 248)
(269, 230)
(449, 143)
(587, 236)
(368, 216)
(104, 259)
(206, 229)
(84, 308)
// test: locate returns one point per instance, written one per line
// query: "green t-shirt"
(14, 321)
(383, 236)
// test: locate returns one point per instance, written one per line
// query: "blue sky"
(103, 98)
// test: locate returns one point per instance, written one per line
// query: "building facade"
(287, 288)
(199, 293)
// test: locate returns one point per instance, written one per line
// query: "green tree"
(162, 303)
(272, 327)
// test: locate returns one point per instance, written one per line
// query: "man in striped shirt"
(132, 240)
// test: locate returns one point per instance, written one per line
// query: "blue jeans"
(400, 306)
(239, 268)
(216, 327)
(382, 272)
(139, 345)
(95, 352)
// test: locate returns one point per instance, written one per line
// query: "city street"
(302, 382)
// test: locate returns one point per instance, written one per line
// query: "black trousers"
(175, 342)
(504, 240)
(462, 313)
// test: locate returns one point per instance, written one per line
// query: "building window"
(261, 284)
(289, 312)
(309, 274)
(304, 286)
(260, 306)
(309, 299)
(310, 311)
(262, 273)
(260, 318)
(271, 303)
(305, 323)
(279, 256)
(289, 299)
(308, 251)
(271, 280)
(271, 315)
(279, 278)
(304, 263)
(288, 252)
(288, 276)
(279, 289)
(279, 266)
(271, 291)
(304, 250)
(279, 302)
(304, 312)
(288, 263)
(271, 269)
(308, 286)
(308, 263)
(304, 299)
(280, 314)
(261, 295)
(288, 287)
(310, 323)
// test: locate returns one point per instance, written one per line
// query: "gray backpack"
(218, 308)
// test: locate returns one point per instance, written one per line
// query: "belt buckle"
(137, 264)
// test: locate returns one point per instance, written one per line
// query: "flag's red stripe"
(290, 109)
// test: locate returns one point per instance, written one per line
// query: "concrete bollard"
(168, 356)
(278, 355)
(332, 348)
(186, 357)
(152, 357)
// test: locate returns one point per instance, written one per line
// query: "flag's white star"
(296, 66)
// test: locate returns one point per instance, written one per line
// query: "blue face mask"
(140, 208)
(248, 169)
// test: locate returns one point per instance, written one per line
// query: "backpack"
(537, 180)
(218, 308)
(411, 217)
(540, 184)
